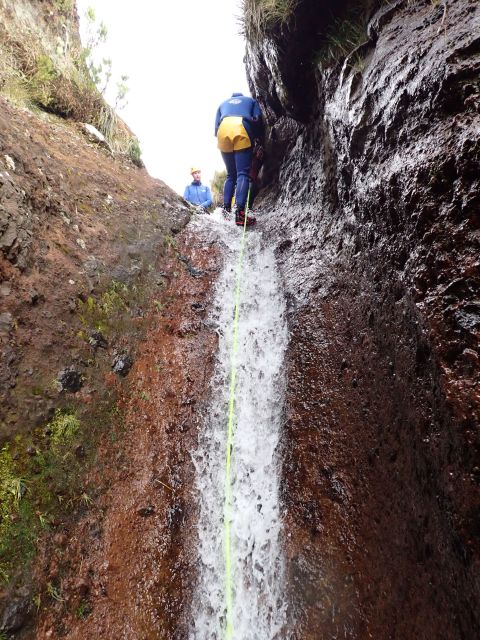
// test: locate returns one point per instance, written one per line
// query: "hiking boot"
(240, 219)
(226, 213)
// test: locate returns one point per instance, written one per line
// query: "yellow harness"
(232, 135)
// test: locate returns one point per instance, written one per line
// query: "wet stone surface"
(373, 205)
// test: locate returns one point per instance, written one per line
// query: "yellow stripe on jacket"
(232, 135)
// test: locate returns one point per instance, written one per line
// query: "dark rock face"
(70, 379)
(376, 216)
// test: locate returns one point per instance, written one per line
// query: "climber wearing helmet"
(238, 124)
(196, 193)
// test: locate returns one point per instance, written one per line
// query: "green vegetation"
(169, 241)
(41, 82)
(344, 34)
(262, 15)
(36, 477)
(64, 6)
(347, 33)
(52, 79)
(42, 482)
(100, 71)
(104, 313)
(54, 592)
(114, 298)
(63, 429)
(135, 153)
(217, 183)
(122, 90)
(68, 80)
(84, 609)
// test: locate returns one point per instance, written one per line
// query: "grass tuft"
(259, 16)
(101, 314)
(63, 429)
(344, 35)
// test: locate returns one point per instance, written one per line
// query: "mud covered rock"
(56, 293)
(16, 612)
(6, 322)
(193, 271)
(97, 340)
(122, 363)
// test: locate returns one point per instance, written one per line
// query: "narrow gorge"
(355, 458)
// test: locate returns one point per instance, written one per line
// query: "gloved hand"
(201, 209)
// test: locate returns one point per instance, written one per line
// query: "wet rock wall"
(371, 195)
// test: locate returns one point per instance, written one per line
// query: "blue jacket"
(198, 194)
(247, 108)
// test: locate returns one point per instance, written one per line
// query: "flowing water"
(259, 607)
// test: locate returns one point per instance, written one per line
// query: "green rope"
(228, 465)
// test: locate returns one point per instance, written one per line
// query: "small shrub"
(135, 153)
(122, 91)
(64, 6)
(84, 609)
(63, 428)
(101, 314)
(17, 91)
(41, 82)
(217, 183)
(169, 241)
(113, 299)
(17, 535)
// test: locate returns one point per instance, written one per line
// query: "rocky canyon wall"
(372, 189)
(371, 198)
(86, 236)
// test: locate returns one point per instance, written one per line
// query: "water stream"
(259, 607)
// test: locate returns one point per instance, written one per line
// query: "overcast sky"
(183, 58)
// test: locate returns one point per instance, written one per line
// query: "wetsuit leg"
(231, 181)
(243, 161)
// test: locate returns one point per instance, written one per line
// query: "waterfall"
(259, 607)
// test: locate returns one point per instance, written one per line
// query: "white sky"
(183, 58)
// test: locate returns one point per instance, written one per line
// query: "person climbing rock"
(196, 193)
(238, 124)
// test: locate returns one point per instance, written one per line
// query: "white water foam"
(259, 607)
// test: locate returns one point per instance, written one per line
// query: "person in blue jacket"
(238, 124)
(197, 193)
